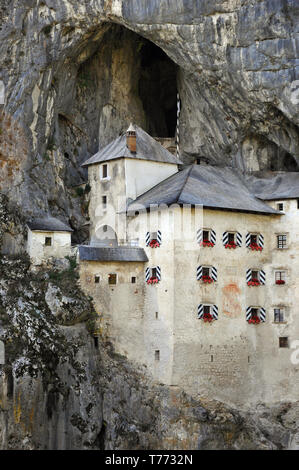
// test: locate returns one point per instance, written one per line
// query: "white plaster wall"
(38, 252)
(142, 175)
(248, 366)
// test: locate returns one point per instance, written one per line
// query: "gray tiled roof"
(120, 253)
(274, 186)
(210, 186)
(147, 148)
(49, 224)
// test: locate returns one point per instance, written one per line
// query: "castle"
(194, 270)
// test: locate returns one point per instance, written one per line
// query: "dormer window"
(280, 206)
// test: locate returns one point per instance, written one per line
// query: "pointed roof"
(147, 149)
(206, 185)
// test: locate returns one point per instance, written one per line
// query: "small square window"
(283, 342)
(97, 279)
(112, 279)
(278, 315)
(157, 355)
(281, 241)
(133, 280)
(280, 206)
(48, 241)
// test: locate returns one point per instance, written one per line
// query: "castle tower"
(124, 169)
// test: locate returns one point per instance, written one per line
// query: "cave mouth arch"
(158, 90)
(130, 79)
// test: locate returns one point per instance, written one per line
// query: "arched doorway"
(105, 237)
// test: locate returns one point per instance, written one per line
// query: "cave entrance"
(158, 90)
(135, 81)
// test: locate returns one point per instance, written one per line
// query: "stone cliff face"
(76, 73)
(59, 391)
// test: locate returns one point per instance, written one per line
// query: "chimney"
(131, 139)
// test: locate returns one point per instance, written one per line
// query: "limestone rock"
(75, 75)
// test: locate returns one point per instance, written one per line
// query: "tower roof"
(48, 224)
(209, 186)
(147, 149)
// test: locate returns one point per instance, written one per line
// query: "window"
(278, 315)
(104, 202)
(153, 239)
(157, 315)
(253, 239)
(153, 275)
(280, 277)
(255, 315)
(157, 355)
(254, 275)
(283, 342)
(97, 279)
(231, 238)
(297, 203)
(207, 312)
(104, 171)
(206, 309)
(112, 278)
(133, 280)
(281, 241)
(206, 237)
(205, 272)
(279, 206)
(48, 241)
(96, 342)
